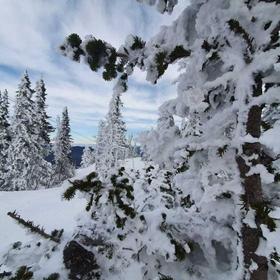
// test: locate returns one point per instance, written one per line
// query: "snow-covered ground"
(271, 138)
(45, 207)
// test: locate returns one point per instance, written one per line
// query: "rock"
(81, 262)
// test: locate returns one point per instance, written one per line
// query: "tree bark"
(253, 195)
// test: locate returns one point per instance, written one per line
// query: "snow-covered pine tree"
(132, 226)
(88, 156)
(63, 167)
(4, 134)
(27, 169)
(111, 143)
(131, 147)
(231, 50)
(44, 126)
(116, 143)
(100, 147)
(159, 143)
(163, 6)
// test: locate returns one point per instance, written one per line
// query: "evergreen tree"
(43, 124)
(63, 167)
(4, 134)
(111, 143)
(27, 169)
(131, 150)
(100, 147)
(208, 217)
(116, 144)
(163, 6)
(87, 157)
(229, 51)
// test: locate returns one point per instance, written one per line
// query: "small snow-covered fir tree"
(100, 147)
(88, 156)
(133, 224)
(27, 168)
(131, 147)
(116, 144)
(4, 134)
(43, 124)
(63, 167)
(111, 143)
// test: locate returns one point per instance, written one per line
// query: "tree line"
(202, 209)
(25, 141)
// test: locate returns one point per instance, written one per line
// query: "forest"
(197, 196)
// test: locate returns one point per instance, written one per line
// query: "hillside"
(41, 206)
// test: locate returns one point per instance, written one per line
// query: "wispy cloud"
(32, 30)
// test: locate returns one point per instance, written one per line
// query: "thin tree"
(111, 140)
(100, 147)
(4, 134)
(63, 167)
(42, 118)
(115, 132)
(87, 156)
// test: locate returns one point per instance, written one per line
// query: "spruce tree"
(131, 150)
(43, 124)
(111, 144)
(100, 147)
(63, 167)
(209, 216)
(229, 72)
(27, 169)
(116, 143)
(4, 134)
(87, 157)
(163, 6)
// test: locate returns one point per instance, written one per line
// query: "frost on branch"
(162, 5)
(221, 173)
(54, 236)
(98, 54)
(87, 157)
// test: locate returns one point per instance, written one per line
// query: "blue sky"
(30, 34)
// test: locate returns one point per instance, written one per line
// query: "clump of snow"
(271, 138)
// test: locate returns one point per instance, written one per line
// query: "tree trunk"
(253, 189)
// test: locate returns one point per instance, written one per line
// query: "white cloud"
(32, 30)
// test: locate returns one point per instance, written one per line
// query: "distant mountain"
(76, 155)
(77, 152)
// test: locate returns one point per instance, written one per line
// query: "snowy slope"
(44, 207)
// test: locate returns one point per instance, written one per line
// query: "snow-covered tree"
(27, 168)
(88, 157)
(111, 143)
(228, 52)
(162, 6)
(116, 143)
(209, 216)
(63, 167)
(134, 225)
(159, 143)
(99, 151)
(4, 134)
(43, 124)
(131, 150)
